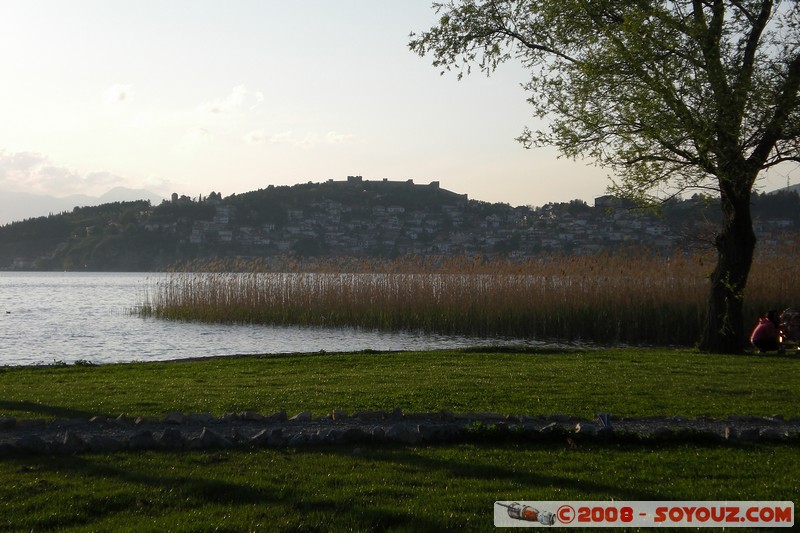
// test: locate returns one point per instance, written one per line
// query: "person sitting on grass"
(766, 334)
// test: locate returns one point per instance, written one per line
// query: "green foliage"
(30, 237)
(669, 95)
(187, 209)
(104, 237)
(781, 204)
(654, 90)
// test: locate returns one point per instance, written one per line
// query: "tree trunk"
(724, 330)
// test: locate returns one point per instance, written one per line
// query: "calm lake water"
(47, 317)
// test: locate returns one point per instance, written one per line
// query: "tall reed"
(641, 299)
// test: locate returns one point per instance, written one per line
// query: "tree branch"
(748, 60)
(787, 102)
(747, 13)
(514, 35)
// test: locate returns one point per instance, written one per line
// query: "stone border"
(179, 431)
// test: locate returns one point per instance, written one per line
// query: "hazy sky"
(191, 96)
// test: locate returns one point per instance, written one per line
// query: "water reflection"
(47, 317)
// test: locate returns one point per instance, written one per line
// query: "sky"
(194, 96)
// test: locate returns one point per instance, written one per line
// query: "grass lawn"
(432, 488)
(624, 382)
(378, 488)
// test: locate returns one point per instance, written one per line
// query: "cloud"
(119, 93)
(57, 178)
(36, 173)
(194, 138)
(334, 137)
(159, 184)
(101, 179)
(255, 137)
(19, 163)
(308, 140)
(286, 137)
(223, 118)
(239, 100)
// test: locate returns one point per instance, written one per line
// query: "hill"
(790, 188)
(16, 206)
(357, 218)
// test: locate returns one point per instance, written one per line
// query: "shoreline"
(545, 349)
(537, 349)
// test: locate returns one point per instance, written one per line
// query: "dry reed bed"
(642, 299)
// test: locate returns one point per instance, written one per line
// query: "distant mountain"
(123, 194)
(16, 206)
(790, 188)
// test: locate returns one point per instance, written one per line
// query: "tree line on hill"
(367, 219)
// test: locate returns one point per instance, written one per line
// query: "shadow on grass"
(466, 469)
(191, 489)
(41, 409)
(312, 489)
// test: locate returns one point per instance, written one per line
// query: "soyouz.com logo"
(644, 514)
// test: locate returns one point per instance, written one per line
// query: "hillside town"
(364, 218)
(459, 226)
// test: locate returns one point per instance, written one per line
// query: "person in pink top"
(766, 334)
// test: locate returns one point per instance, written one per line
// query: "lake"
(48, 317)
